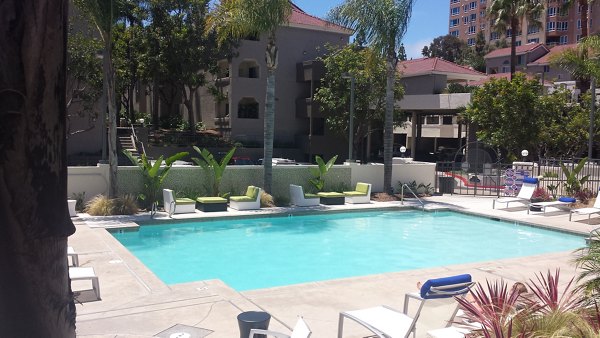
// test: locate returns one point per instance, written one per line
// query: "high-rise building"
(558, 26)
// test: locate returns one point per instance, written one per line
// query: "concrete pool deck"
(135, 303)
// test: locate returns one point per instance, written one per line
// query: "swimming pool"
(274, 251)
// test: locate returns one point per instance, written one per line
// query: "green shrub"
(282, 201)
(125, 205)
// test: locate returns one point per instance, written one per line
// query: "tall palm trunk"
(388, 127)
(107, 67)
(35, 295)
(514, 25)
(271, 56)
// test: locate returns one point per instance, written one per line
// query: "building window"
(471, 30)
(564, 39)
(508, 33)
(518, 43)
(482, 13)
(454, 1)
(505, 66)
(578, 37)
(248, 108)
(473, 17)
(466, 20)
(551, 11)
(532, 29)
(534, 40)
(455, 11)
(471, 42)
(494, 36)
(562, 25)
(466, 8)
(432, 119)
(249, 69)
(520, 59)
(454, 22)
(447, 120)
(473, 5)
(482, 1)
(546, 69)
(578, 23)
(454, 33)
(550, 26)
(482, 26)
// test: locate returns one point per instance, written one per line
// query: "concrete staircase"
(125, 141)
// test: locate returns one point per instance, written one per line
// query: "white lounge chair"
(386, 322)
(300, 199)
(362, 194)
(86, 273)
(73, 255)
(250, 201)
(300, 330)
(561, 203)
(179, 205)
(595, 209)
(524, 196)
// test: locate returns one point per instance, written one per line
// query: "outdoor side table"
(332, 198)
(209, 204)
(253, 320)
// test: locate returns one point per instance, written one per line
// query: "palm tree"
(36, 299)
(243, 18)
(104, 14)
(509, 14)
(382, 24)
(582, 61)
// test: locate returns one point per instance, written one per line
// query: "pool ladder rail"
(413, 193)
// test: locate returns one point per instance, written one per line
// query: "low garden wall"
(192, 180)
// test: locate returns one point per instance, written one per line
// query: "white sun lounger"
(74, 256)
(524, 196)
(86, 273)
(587, 211)
(386, 322)
(301, 330)
(561, 203)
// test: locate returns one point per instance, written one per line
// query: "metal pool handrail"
(412, 192)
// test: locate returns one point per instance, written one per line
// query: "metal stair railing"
(413, 193)
(136, 141)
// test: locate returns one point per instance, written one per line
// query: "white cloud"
(413, 50)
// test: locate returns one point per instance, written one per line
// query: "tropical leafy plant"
(588, 261)
(573, 183)
(541, 195)
(318, 180)
(153, 174)
(208, 163)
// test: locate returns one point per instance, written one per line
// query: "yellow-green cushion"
(354, 193)
(242, 199)
(311, 196)
(252, 192)
(362, 188)
(330, 194)
(211, 200)
(185, 201)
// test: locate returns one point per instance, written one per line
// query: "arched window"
(248, 108)
(249, 69)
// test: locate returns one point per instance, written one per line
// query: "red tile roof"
(545, 60)
(520, 50)
(424, 66)
(300, 17)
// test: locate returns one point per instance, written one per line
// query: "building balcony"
(223, 82)
(553, 33)
(309, 71)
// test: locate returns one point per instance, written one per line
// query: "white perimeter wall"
(95, 180)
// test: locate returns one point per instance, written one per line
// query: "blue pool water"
(265, 252)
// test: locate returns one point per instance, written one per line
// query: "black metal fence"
(505, 179)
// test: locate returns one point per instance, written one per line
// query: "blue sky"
(429, 20)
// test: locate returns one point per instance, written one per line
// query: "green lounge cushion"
(311, 196)
(252, 192)
(211, 200)
(362, 188)
(242, 199)
(354, 193)
(330, 194)
(185, 201)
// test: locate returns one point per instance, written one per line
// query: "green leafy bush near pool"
(104, 206)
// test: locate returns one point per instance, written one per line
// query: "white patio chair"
(300, 330)
(179, 205)
(362, 194)
(300, 199)
(386, 322)
(86, 273)
(524, 196)
(250, 201)
(595, 209)
(562, 203)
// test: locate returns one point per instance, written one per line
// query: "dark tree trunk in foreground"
(35, 296)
